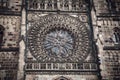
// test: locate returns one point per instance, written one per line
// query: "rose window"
(59, 43)
(58, 38)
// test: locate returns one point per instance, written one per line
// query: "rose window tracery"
(59, 43)
(58, 38)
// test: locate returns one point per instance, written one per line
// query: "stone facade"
(59, 39)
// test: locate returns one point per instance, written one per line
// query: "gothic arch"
(1, 34)
(62, 78)
(116, 35)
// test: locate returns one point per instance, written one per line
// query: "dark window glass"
(4, 4)
(116, 35)
(1, 34)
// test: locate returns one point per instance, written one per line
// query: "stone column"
(70, 5)
(46, 2)
(20, 75)
(58, 4)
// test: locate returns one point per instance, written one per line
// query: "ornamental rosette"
(59, 38)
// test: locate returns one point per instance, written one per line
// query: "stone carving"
(49, 24)
(59, 43)
(64, 5)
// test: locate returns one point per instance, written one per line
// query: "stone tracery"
(38, 32)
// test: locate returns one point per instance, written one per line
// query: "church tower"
(107, 35)
(59, 39)
(10, 22)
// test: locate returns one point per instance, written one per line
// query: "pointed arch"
(116, 35)
(62, 78)
(1, 34)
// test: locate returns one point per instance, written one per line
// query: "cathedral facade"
(59, 39)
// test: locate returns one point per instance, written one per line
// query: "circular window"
(58, 38)
(59, 43)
